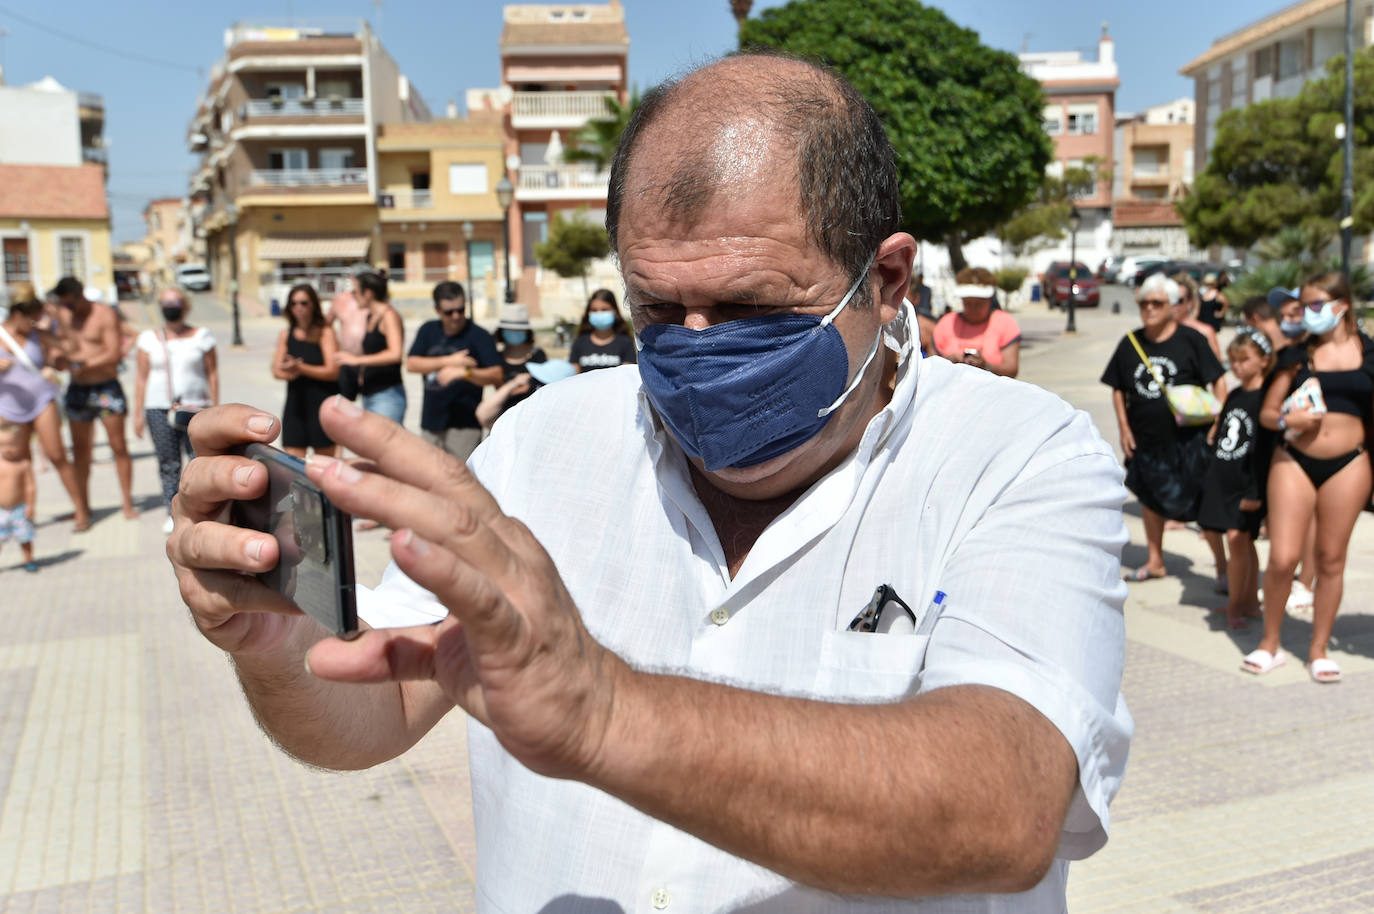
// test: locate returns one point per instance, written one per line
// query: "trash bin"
(1035, 291)
(276, 308)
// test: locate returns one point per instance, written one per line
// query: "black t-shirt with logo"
(1183, 358)
(452, 405)
(586, 354)
(1239, 450)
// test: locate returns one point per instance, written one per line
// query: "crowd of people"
(356, 347)
(1282, 452)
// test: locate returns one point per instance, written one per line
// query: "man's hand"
(513, 651)
(215, 562)
(460, 359)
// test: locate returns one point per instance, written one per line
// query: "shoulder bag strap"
(18, 351)
(1148, 364)
(167, 357)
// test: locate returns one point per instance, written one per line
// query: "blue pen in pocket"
(932, 613)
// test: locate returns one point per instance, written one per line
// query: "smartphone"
(970, 352)
(314, 541)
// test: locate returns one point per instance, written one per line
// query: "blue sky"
(447, 47)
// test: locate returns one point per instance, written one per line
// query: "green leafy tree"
(1047, 217)
(597, 140)
(572, 245)
(1276, 164)
(1010, 280)
(965, 121)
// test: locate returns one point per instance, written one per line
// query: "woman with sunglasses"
(1165, 462)
(307, 360)
(1320, 468)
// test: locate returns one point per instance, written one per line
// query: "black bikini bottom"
(1320, 470)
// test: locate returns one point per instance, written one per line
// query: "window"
(284, 91)
(72, 255)
(287, 159)
(436, 260)
(467, 178)
(1240, 83)
(16, 260)
(396, 261)
(336, 158)
(1089, 189)
(536, 229)
(1291, 54)
(333, 88)
(1150, 161)
(1082, 119)
(1264, 62)
(419, 180)
(1054, 120)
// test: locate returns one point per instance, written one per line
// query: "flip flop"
(1260, 661)
(1324, 670)
(1143, 573)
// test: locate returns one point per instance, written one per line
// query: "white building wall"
(51, 132)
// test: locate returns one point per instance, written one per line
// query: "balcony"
(562, 182)
(302, 107)
(558, 109)
(405, 198)
(307, 177)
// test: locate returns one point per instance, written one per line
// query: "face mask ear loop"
(863, 274)
(821, 414)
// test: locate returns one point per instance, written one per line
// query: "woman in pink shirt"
(980, 336)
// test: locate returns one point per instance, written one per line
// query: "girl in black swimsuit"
(1320, 470)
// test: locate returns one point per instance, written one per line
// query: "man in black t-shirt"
(457, 358)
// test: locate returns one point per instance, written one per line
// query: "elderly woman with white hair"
(1166, 460)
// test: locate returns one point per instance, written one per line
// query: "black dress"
(1235, 472)
(300, 417)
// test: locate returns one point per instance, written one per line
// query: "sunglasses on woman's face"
(1153, 303)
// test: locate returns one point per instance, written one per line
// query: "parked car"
(1110, 269)
(193, 277)
(1086, 290)
(1194, 268)
(1133, 269)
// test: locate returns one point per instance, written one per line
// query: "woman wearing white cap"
(980, 336)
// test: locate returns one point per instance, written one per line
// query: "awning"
(587, 73)
(314, 247)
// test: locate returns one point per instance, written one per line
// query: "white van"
(193, 277)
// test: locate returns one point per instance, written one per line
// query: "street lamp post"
(231, 217)
(468, 229)
(1348, 146)
(1075, 220)
(505, 193)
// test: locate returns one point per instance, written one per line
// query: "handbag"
(1191, 404)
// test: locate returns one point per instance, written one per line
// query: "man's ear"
(894, 261)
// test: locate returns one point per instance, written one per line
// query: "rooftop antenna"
(1025, 42)
(377, 25)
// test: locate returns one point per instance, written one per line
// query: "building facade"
(1080, 114)
(55, 222)
(287, 186)
(1270, 58)
(1153, 169)
(166, 232)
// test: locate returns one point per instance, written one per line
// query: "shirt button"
(720, 616)
(659, 899)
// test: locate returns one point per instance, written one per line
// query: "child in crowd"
(1231, 499)
(18, 491)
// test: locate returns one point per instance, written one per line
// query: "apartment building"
(1079, 115)
(559, 65)
(1153, 169)
(54, 215)
(439, 217)
(288, 177)
(1270, 58)
(166, 231)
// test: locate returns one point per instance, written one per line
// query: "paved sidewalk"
(133, 778)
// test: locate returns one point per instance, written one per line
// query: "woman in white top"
(192, 383)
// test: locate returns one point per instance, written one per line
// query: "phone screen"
(314, 541)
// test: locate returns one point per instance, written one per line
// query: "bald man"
(753, 624)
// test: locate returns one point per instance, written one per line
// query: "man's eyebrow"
(636, 295)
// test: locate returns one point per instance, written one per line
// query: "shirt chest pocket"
(869, 666)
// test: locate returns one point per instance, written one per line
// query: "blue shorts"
(15, 525)
(390, 402)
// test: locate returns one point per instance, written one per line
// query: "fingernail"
(415, 544)
(253, 549)
(244, 475)
(308, 671)
(346, 406)
(261, 425)
(343, 472)
(320, 462)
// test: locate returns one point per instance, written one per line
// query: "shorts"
(389, 402)
(15, 525)
(88, 402)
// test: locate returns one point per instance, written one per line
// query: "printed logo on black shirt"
(1236, 435)
(1146, 387)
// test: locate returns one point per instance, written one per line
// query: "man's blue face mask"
(745, 391)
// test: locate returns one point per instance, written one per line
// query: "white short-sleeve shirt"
(190, 384)
(988, 490)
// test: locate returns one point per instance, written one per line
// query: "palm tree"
(597, 140)
(740, 10)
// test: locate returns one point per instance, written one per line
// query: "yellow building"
(439, 218)
(54, 222)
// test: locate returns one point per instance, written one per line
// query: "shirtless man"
(90, 335)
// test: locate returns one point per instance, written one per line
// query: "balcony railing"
(559, 108)
(300, 107)
(564, 178)
(308, 177)
(405, 198)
